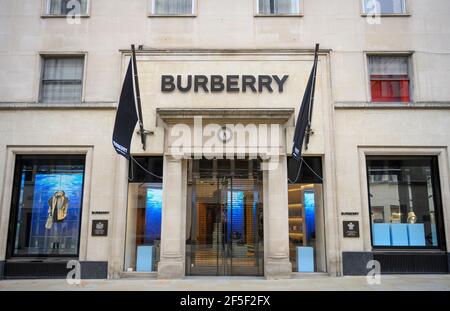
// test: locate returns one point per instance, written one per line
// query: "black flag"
(303, 125)
(126, 117)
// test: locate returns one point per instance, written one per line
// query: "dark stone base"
(94, 269)
(53, 269)
(448, 261)
(2, 270)
(355, 263)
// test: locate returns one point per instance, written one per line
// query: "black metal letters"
(219, 83)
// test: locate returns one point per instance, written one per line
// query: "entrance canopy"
(225, 132)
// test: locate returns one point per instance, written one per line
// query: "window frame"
(299, 14)
(151, 10)
(403, 14)
(47, 55)
(411, 76)
(14, 206)
(437, 199)
(45, 12)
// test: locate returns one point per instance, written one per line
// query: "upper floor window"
(62, 79)
(389, 78)
(384, 6)
(65, 7)
(173, 7)
(278, 7)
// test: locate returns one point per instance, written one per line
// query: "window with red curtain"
(389, 78)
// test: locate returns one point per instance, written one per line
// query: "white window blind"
(63, 7)
(173, 7)
(388, 65)
(385, 6)
(268, 7)
(62, 79)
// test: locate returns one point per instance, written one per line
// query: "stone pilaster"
(172, 257)
(276, 222)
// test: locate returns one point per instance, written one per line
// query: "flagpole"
(138, 97)
(308, 130)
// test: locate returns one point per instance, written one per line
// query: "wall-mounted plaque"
(351, 229)
(99, 228)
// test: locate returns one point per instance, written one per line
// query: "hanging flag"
(303, 125)
(129, 111)
(126, 116)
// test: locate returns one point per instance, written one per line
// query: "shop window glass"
(306, 219)
(267, 7)
(224, 214)
(47, 205)
(173, 7)
(64, 7)
(405, 204)
(145, 195)
(389, 78)
(385, 6)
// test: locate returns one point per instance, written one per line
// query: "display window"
(46, 208)
(405, 202)
(145, 195)
(306, 218)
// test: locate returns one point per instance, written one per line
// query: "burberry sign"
(220, 83)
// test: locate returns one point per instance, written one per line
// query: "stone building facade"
(374, 184)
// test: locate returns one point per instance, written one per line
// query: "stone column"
(276, 222)
(119, 215)
(172, 256)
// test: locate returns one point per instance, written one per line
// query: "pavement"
(307, 283)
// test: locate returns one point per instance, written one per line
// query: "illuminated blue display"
(309, 200)
(235, 213)
(153, 210)
(45, 185)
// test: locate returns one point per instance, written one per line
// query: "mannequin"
(411, 218)
(57, 212)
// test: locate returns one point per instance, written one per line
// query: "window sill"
(386, 15)
(57, 106)
(63, 16)
(279, 15)
(406, 250)
(392, 105)
(171, 15)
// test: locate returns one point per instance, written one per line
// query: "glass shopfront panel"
(224, 232)
(46, 206)
(145, 195)
(405, 202)
(306, 218)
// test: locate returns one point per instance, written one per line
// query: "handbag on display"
(49, 222)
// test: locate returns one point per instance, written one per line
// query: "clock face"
(225, 134)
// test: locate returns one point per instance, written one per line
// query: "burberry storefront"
(220, 201)
(215, 192)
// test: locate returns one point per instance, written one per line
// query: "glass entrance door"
(225, 213)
